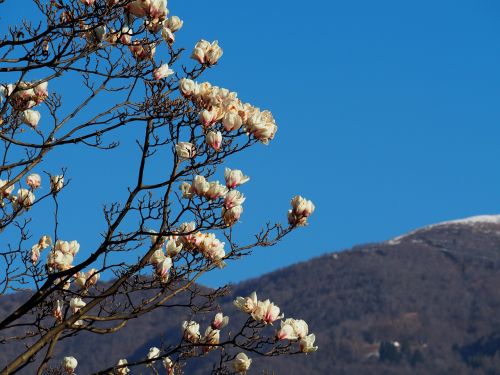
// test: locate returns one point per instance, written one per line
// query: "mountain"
(427, 302)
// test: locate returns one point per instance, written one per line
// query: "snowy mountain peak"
(471, 221)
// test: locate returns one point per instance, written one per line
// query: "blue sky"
(388, 116)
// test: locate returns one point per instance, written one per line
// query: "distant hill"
(424, 303)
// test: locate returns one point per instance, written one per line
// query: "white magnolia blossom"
(34, 180)
(233, 198)
(307, 344)
(86, 279)
(301, 210)
(185, 150)
(169, 365)
(191, 331)
(211, 247)
(26, 95)
(211, 337)
(76, 304)
(8, 190)
(292, 329)
(43, 243)
(220, 321)
(173, 248)
(215, 191)
(232, 120)
(247, 304)
(207, 53)
(60, 258)
(57, 310)
(154, 9)
(122, 370)
(200, 185)
(31, 117)
(153, 353)
(266, 312)
(188, 87)
(214, 140)
(56, 183)
(232, 215)
(162, 72)
(23, 200)
(186, 189)
(234, 177)
(163, 268)
(142, 51)
(69, 364)
(168, 35)
(174, 23)
(262, 125)
(209, 117)
(242, 363)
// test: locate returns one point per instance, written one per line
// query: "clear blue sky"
(388, 117)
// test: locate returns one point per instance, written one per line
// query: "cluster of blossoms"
(61, 256)
(266, 312)
(43, 243)
(191, 332)
(241, 363)
(233, 199)
(205, 243)
(24, 96)
(221, 105)
(301, 210)
(25, 198)
(207, 53)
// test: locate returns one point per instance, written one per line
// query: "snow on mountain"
(472, 220)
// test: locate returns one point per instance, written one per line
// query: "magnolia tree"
(171, 228)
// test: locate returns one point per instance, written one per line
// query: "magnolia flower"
(211, 337)
(200, 185)
(144, 51)
(67, 247)
(173, 248)
(24, 199)
(41, 91)
(186, 189)
(122, 370)
(220, 321)
(56, 183)
(31, 117)
(86, 280)
(247, 304)
(307, 344)
(185, 150)
(234, 178)
(242, 363)
(168, 35)
(215, 190)
(174, 23)
(162, 269)
(76, 304)
(155, 9)
(292, 329)
(169, 365)
(301, 210)
(208, 118)
(34, 180)
(162, 72)
(233, 198)
(35, 254)
(262, 125)
(267, 312)
(153, 353)
(207, 53)
(187, 239)
(232, 215)
(157, 257)
(211, 247)
(232, 121)
(191, 331)
(57, 311)
(214, 54)
(44, 242)
(214, 140)
(6, 192)
(188, 87)
(69, 364)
